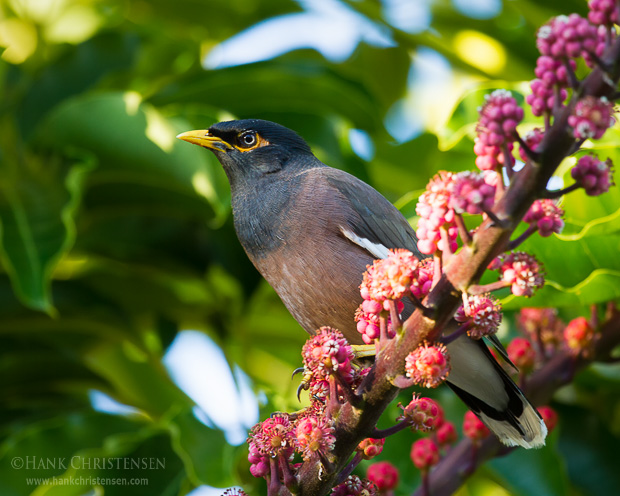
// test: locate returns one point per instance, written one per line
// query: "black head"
(253, 148)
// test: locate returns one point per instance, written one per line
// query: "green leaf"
(303, 85)
(205, 453)
(525, 472)
(590, 451)
(594, 275)
(141, 163)
(77, 69)
(39, 197)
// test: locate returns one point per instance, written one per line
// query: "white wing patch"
(377, 250)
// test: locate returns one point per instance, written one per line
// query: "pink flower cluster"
(579, 336)
(472, 193)
(384, 475)
(603, 12)
(532, 139)
(354, 486)
(386, 280)
(541, 325)
(422, 414)
(550, 417)
(520, 271)
(367, 318)
(499, 116)
(591, 117)
(567, 36)
(325, 354)
(389, 278)
(593, 175)
(543, 98)
(436, 227)
(482, 312)
(546, 216)
(314, 435)
(474, 428)
(425, 453)
(428, 365)
(274, 437)
(369, 447)
(522, 354)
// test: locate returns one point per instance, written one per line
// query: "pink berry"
(384, 475)
(423, 414)
(483, 312)
(474, 428)
(435, 215)
(471, 193)
(592, 175)
(271, 437)
(579, 336)
(354, 486)
(370, 447)
(424, 453)
(566, 36)
(522, 271)
(591, 117)
(541, 324)
(546, 216)
(543, 98)
(390, 278)
(604, 12)
(428, 365)
(550, 417)
(314, 435)
(499, 116)
(446, 434)
(423, 281)
(522, 354)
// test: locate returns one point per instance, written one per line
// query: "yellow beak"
(206, 140)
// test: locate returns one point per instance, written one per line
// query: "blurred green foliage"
(114, 236)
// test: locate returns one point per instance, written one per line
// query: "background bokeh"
(132, 325)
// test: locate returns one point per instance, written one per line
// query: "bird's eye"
(248, 139)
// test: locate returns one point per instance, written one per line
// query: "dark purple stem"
(560, 192)
(532, 155)
(383, 433)
(456, 334)
(531, 229)
(355, 461)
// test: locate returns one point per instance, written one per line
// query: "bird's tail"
(491, 394)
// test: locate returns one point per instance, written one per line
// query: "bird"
(311, 231)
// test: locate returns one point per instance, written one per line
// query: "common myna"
(311, 230)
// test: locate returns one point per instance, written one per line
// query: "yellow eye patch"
(249, 141)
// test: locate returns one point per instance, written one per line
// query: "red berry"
(522, 354)
(474, 428)
(422, 414)
(384, 475)
(593, 175)
(424, 453)
(550, 417)
(428, 365)
(370, 447)
(579, 336)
